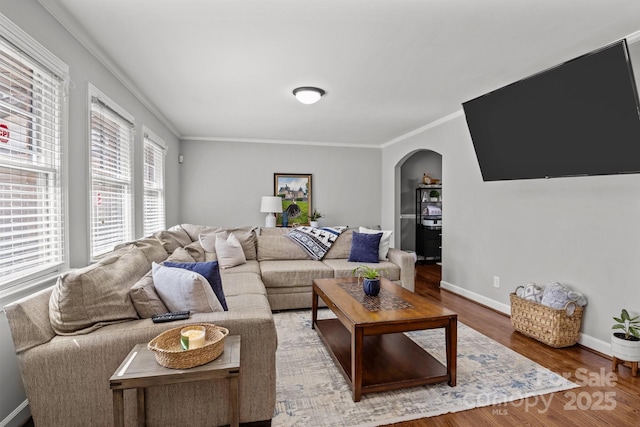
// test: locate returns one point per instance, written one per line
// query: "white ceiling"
(225, 69)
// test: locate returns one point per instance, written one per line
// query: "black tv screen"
(579, 118)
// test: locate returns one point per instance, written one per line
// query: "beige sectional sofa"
(71, 337)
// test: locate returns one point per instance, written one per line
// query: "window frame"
(94, 93)
(37, 54)
(148, 136)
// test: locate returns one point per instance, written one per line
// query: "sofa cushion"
(365, 247)
(341, 247)
(196, 251)
(181, 289)
(272, 231)
(229, 251)
(243, 283)
(150, 296)
(194, 231)
(245, 235)
(180, 255)
(145, 298)
(247, 267)
(173, 238)
(210, 271)
(143, 293)
(344, 268)
(247, 238)
(208, 241)
(385, 240)
(88, 298)
(293, 273)
(150, 247)
(279, 247)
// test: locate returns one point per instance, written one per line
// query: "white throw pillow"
(208, 241)
(385, 241)
(229, 251)
(182, 289)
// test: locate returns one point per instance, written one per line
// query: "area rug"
(310, 390)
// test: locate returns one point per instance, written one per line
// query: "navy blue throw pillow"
(210, 271)
(365, 247)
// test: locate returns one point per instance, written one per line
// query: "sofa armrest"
(29, 320)
(407, 264)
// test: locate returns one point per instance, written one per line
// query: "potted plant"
(370, 278)
(625, 345)
(434, 195)
(314, 217)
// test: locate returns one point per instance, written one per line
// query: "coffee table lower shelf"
(390, 361)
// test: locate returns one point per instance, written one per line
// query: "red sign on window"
(4, 133)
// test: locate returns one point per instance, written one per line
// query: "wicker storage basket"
(170, 354)
(552, 326)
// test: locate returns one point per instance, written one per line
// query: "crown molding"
(71, 24)
(633, 37)
(278, 141)
(424, 128)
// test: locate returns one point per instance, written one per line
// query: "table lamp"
(272, 205)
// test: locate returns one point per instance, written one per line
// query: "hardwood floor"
(604, 398)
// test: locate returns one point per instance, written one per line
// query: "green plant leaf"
(625, 315)
(618, 326)
(618, 320)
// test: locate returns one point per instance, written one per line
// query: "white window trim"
(27, 44)
(154, 138)
(94, 92)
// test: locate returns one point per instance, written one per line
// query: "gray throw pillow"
(182, 289)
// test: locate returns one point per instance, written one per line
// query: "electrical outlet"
(496, 281)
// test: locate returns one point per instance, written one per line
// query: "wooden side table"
(140, 370)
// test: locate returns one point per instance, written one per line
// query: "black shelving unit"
(429, 223)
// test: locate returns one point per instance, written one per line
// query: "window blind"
(32, 225)
(111, 178)
(153, 201)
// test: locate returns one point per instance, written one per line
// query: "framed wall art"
(295, 190)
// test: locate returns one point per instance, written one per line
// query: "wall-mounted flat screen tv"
(579, 118)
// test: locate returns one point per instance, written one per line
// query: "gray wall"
(581, 231)
(31, 17)
(222, 182)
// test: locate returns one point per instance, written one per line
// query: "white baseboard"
(584, 340)
(18, 416)
(595, 344)
(502, 308)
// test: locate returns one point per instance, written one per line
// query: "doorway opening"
(421, 209)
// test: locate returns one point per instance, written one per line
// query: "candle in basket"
(192, 337)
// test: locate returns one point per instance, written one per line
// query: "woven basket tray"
(170, 354)
(552, 326)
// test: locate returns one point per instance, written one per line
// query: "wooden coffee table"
(366, 340)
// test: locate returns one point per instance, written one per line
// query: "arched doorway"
(412, 168)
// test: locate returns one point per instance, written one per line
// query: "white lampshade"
(271, 205)
(308, 95)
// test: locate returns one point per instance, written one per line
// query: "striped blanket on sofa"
(315, 241)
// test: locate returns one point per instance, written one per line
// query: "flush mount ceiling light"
(308, 95)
